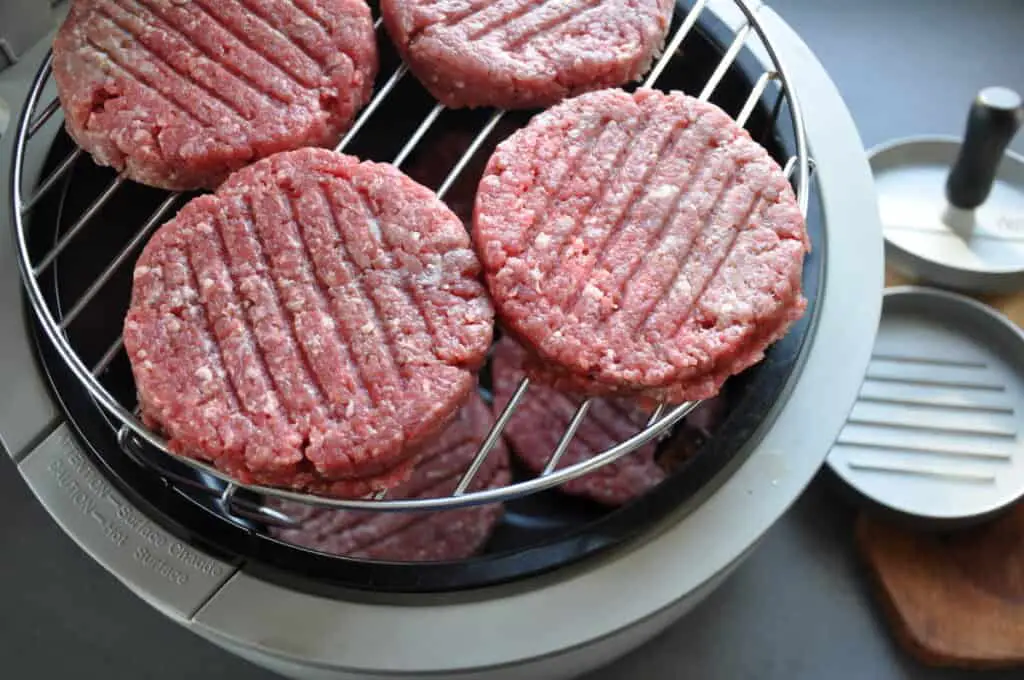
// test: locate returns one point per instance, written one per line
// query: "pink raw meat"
(180, 94)
(415, 536)
(640, 244)
(525, 53)
(309, 324)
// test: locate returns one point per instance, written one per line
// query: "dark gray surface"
(798, 609)
(911, 67)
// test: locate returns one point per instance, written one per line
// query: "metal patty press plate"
(938, 429)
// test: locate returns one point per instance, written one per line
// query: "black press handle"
(993, 120)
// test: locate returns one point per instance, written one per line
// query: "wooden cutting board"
(953, 599)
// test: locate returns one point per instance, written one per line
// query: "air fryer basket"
(540, 531)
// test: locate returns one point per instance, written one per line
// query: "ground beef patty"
(525, 53)
(415, 536)
(640, 244)
(308, 324)
(543, 416)
(180, 94)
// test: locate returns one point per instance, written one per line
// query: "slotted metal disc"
(938, 429)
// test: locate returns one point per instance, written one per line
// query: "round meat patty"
(309, 324)
(415, 536)
(525, 53)
(705, 386)
(180, 94)
(542, 417)
(640, 244)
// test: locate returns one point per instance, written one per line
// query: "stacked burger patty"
(317, 321)
(639, 244)
(407, 536)
(308, 325)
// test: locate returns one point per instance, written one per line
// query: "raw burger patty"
(415, 536)
(309, 324)
(640, 244)
(525, 53)
(543, 416)
(180, 94)
(706, 386)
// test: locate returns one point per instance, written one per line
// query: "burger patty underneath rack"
(524, 53)
(640, 244)
(309, 324)
(543, 416)
(415, 536)
(179, 94)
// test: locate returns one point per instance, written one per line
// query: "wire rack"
(133, 435)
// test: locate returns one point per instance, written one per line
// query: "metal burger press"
(936, 432)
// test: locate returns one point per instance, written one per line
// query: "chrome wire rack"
(133, 435)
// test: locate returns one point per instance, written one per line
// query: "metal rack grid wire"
(133, 433)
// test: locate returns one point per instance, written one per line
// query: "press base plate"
(938, 429)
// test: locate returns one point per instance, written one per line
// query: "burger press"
(952, 211)
(937, 431)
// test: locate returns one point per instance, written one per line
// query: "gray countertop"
(799, 608)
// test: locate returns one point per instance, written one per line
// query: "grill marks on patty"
(200, 48)
(181, 94)
(637, 242)
(311, 322)
(520, 22)
(525, 53)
